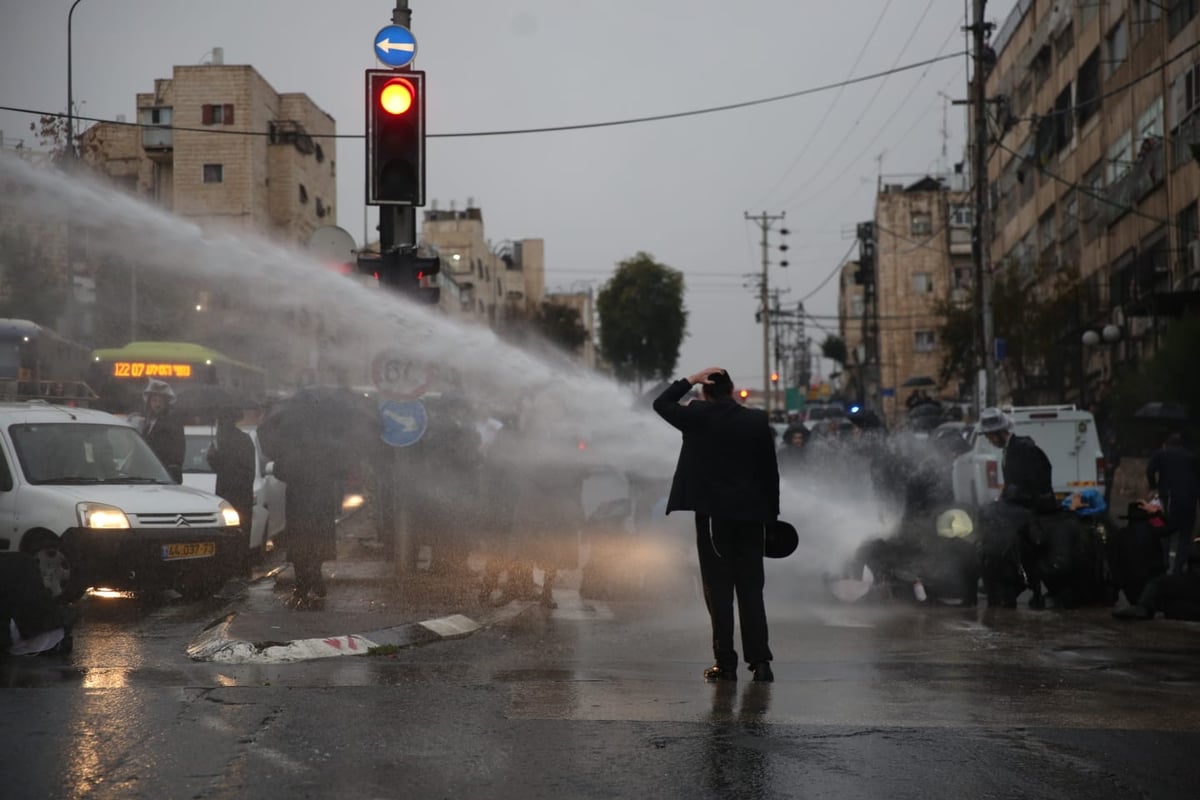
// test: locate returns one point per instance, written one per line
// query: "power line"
(520, 131)
(866, 108)
(841, 263)
(828, 110)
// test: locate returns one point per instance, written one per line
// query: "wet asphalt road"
(605, 700)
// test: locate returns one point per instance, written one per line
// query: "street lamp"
(1110, 334)
(70, 87)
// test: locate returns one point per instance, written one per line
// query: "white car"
(268, 518)
(1064, 433)
(83, 493)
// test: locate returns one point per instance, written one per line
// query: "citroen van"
(82, 492)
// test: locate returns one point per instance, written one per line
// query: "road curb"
(214, 644)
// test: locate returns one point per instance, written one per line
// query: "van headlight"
(352, 502)
(230, 516)
(101, 516)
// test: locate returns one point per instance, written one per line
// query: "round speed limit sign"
(398, 376)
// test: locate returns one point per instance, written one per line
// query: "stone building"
(923, 255)
(1094, 182)
(237, 152)
(486, 283)
(217, 145)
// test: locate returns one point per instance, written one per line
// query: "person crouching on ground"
(728, 475)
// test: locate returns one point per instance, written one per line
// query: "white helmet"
(993, 420)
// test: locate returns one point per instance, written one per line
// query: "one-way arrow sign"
(395, 46)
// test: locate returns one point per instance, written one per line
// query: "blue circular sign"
(404, 421)
(395, 46)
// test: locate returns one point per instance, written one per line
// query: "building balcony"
(158, 138)
(1141, 179)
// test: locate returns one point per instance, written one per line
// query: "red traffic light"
(774, 377)
(396, 97)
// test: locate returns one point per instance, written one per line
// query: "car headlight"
(101, 516)
(230, 516)
(352, 501)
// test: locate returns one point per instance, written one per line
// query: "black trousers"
(731, 561)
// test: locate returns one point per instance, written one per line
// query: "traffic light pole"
(398, 224)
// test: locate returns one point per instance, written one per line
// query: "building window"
(1116, 45)
(963, 276)
(1064, 42)
(1087, 96)
(1064, 122)
(216, 114)
(923, 341)
(922, 224)
(1041, 65)
(1145, 14)
(214, 173)
(857, 305)
(1046, 230)
(1149, 126)
(922, 283)
(303, 194)
(961, 215)
(1179, 14)
(1120, 157)
(1087, 13)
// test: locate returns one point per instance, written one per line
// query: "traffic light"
(405, 272)
(395, 137)
(774, 377)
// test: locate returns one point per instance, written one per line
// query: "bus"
(35, 362)
(119, 374)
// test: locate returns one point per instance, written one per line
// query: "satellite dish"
(333, 244)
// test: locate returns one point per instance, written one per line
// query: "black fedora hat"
(781, 539)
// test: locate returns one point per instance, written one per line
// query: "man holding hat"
(728, 475)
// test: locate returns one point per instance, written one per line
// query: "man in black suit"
(1174, 474)
(727, 474)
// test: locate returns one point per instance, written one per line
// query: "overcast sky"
(676, 188)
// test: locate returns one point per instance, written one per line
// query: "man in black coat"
(1173, 473)
(1010, 536)
(161, 430)
(232, 459)
(728, 475)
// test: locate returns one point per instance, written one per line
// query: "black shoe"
(718, 673)
(1133, 613)
(762, 672)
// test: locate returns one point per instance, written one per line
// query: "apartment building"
(922, 243)
(1094, 182)
(218, 145)
(490, 284)
(232, 151)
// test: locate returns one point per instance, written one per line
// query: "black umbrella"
(1162, 412)
(206, 400)
(324, 422)
(918, 380)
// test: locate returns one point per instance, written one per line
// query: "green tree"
(642, 319)
(834, 348)
(1039, 329)
(561, 324)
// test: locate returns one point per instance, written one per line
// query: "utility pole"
(764, 222)
(982, 233)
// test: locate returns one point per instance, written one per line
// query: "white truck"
(1065, 434)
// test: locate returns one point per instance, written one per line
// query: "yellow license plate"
(181, 550)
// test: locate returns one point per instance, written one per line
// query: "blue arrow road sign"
(395, 45)
(404, 421)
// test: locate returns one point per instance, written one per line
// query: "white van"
(1065, 434)
(82, 491)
